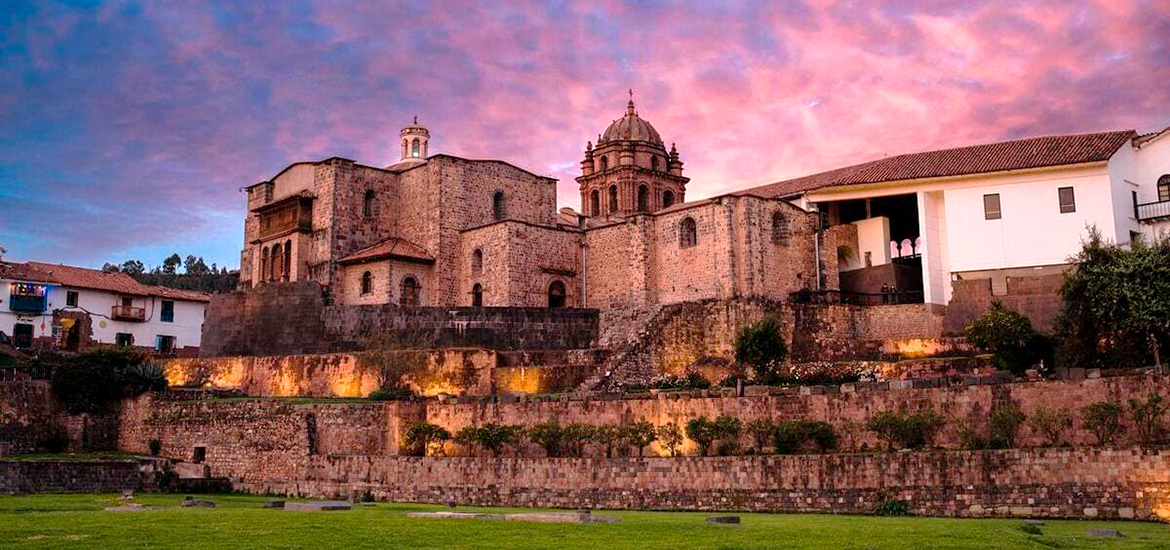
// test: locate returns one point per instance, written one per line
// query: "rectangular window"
(991, 207)
(1134, 237)
(22, 335)
(123, 340)
(71, 298)
(167, 315)
(165, 344)
(1068, 201)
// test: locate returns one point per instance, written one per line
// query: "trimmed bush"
(390, 393)
(793, 436)
(688, 381)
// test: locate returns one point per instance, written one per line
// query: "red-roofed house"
(50, 305)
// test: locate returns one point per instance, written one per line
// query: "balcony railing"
(26, 304)
(129, 313)
(1152, 211)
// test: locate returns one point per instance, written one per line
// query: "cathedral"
(441, 230)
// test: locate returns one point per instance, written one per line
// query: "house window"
(477, 295)
(688, 233)
(410, 293)
(643, 198)
(498, 206)
(198, 455)
(991, 209)
(167, 315)
(1068, 201)
(779, 228)
(71, 298)
(368, 204)
(613, 203)
(165, 344)
(123, 340)
(667, 198)
(595, 203)
(277, 262)
(476, 262)
(1164, 188)
(22, 335)
(1134, 238)
(556, 294)
(367, 283)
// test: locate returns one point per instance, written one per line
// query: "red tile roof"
(392, 248)
(94, 279)
(1037, 152)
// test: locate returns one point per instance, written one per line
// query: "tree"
(1008, 335)
(760, 346)
(194, 266)
(702, 432)
(639, 435)
(171, 264)
(1006, 420)
(1147, 418)
(1116, 303)
(1103, 419)
(491, 436)
(761, 431)
(110, 268)
(548, 435)
(1051, 422)
(671, 438)
(609, 437)
(425, 438)
(575, 438)
(133, 267)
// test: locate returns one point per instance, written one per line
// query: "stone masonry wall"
(26, 415)
(1093, 483)
(45, 476)
(1037, 298)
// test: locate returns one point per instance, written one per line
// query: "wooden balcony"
(1152, 211)
(129, 313)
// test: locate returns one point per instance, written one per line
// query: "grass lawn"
(78, 521)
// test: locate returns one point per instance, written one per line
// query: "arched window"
(654, 163)
(367, 283)
(368, 204)
(556, 294)
(1164, 188)
(498, 206)
(477, 262)
(643, 198)
(277, 263)
(477, 295)
(410, 296)
(688, 233)
(604, 163)
(667, 198)
(613, 205)
(414, 150)
(263, 264)
(288, 259)
(405, 147)
(595, 203)
(779, 229)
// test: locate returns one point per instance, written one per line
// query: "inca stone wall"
(1037, 298)
(1086, 483)
(26, 415)
(47, 476)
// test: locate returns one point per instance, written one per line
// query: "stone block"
(189, 470)
(723, 519)
(196, 503)
(1104, 533)
(273, 503)
(317, 506)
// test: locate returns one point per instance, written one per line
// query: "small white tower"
(414, 141)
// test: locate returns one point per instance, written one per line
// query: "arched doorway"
(556, 294)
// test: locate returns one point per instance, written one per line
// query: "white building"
(1006, 216)
(46, 305)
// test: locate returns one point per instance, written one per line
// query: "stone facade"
(48, 476)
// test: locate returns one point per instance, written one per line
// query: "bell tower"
(629, 170)
(415, 139)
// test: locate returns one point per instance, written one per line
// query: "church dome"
(631, 127)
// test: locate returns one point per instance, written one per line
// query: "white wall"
(1139, 170)
(187, 327)
(1031, 231)
(873, 236)
(932, 227)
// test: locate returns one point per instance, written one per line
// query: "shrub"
(155, 447)
(793, 436)
(821, 434)
(760, 346)
(1147, 419)
(969, 438)
(493, 437)
(1006, 420)
(892, 507)
(424, 436)
(702, 432)
(91, 381)
(575, 437)
(609, 437)
(671, 438)
(1009, 336)
(390, 393)
(1051, 422)
(144, 377)
(907, 430)
(548, 435)
(1103, 419)
(639, 435)
(688, 381)
(761, 432)
(727, 431)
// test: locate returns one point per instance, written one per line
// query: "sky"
(128, 128)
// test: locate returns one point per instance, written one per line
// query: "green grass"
(79, 522)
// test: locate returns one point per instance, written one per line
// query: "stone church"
(441, 230)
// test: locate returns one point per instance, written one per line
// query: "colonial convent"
(441, 230)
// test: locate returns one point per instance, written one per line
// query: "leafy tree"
(1103, 419)
(133, 267)
(491, 436)
(702, 432)
(171, 264)
(727, 431)
(422, 437)
(1009, 336)
(548, 435)
(110, 268)
(195, 265)
(609, 437)
(1147, 418)
(1006, 420)
(1051, 422)
(90, 382)
(760, 346)
(575, 438)
(907, 430)
(1116, 303)
(761, 431)
(671, 438)
(639, 435)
